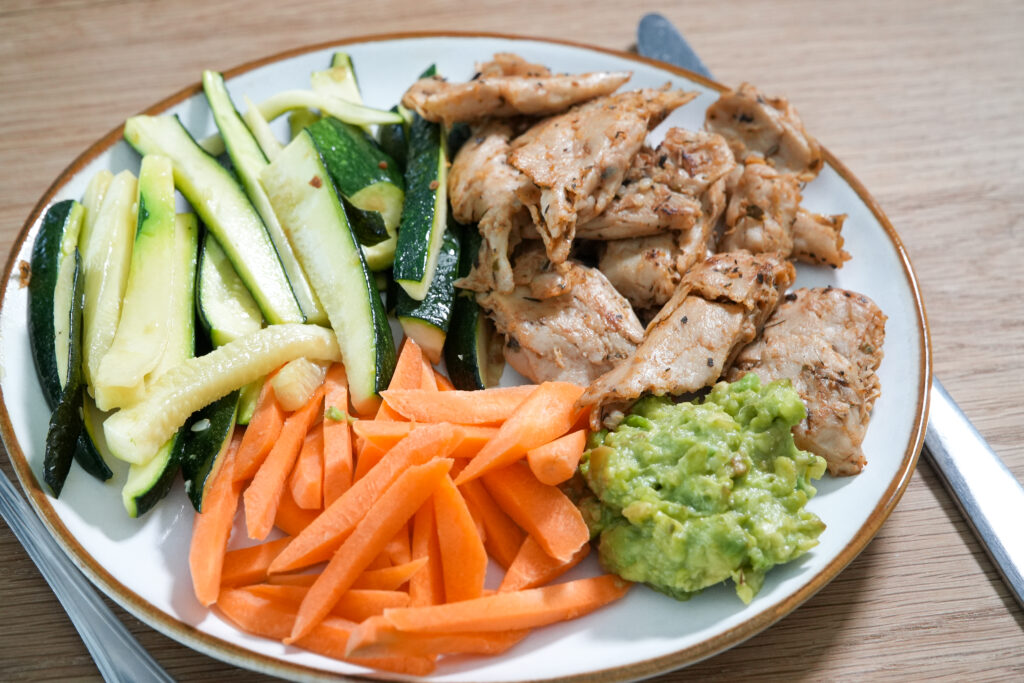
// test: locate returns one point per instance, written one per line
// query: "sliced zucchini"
(427, 321)
(295, 383)
(95, 191)
(339, 80)
(248, 397)
(141, 333)
(225, 210)
(204, 442)
(473, 349)
(92, 454)
(135, 433)
(366, 177)
(249, 161)
(299, 120)
(106, 257)
(424, 214)
(350, 112)
(393, 138)
(149, 481)
(260, 129)
(225, 307)
(305, 199)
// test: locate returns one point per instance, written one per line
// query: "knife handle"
(986, 492)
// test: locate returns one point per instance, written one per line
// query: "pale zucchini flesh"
(62, 292)
(226, 308)
(260, 129)
(135, 433)
(349, 112)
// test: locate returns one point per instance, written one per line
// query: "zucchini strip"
(349, 112)
(260, 129)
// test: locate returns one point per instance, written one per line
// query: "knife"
(986, 492)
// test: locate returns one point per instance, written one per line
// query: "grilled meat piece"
(828, 343)
(507, 86)
(762, 207)
(577, 160)
(816, 238)
(719, 307)
(573, 336)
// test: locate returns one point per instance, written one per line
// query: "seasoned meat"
(719, 307)
(765, 127)
(507, 86)
(483, 189)
(816, 238)
(687, 161)
(577, 160)
(762, 206)
(573, 337)
(642, 209)
(828, 343)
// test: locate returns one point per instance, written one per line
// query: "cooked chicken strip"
(573, 337)
(763, 204)
(816, 238)
(719, 307)
(577, 160)
(508, 86)
(687, 161)
(483, 188)
(828, 343)
(766, 127)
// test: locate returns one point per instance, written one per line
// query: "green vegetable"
(204, 441)
(427, 321)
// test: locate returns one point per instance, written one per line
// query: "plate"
(142, 564)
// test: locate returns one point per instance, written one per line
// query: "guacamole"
(687, 495)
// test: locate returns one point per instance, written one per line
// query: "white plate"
(142, 564)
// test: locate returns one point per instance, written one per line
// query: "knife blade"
(990, 498)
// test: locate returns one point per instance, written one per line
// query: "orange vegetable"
(355, 605)
(377, 637)
(262, 431)
(543, 511)
(397, 548)
(391, 578)
(502, 537)
(427, 381)
(264, 493)
(211, 528)
(546, 414)
(308, 476)
(246, 566)
(290, 518)
(490, 406)
(384, 435)
(463, 558)
(443, 383)
(556, 461)
(318, 541)
(508, 611)
(380, 523)
(337, 438)
(426, 587)
(533, 567)
(370, 454)
(409, 367)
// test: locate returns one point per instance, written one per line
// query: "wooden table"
(921, 100)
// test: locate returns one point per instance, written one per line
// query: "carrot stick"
(533, 567)
(409, 367)
(211, 528)
(319, 540)
(376, 637)
(369, 456)
(388, 414)
(337, 438)
(307, 478)
(355, 605)
(426, 587)
(249, 565)
(443, 383)
(509, 611)
(291, 579)
(489, 406)
(290, 518)
(261, 433)
(556, 461)
(543, 511)
(502, 537)
(381, 561)
(389, 579)
(546, 414)
(330, 638)
(382, 521)
(398, 547)
(264, 493)
(427, 381)
(463, 558)
(384, 435)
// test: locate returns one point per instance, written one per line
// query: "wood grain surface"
(922, 100)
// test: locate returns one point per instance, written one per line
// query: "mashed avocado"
(690, 494)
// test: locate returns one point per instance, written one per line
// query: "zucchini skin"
(435, 310)
(89, 458)
(353, 158)
(199, 451)
(393, 138)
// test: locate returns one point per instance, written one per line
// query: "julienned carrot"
(463, 558)
(546, 414)
(543, 511)
(246, 566)
(502, 537)
(212, 527)
(263, 495)
(369, 455)
(397, 548)
(391, 578)
(355, 605)
(443, 383)
(556, 461)
(274, 618)
(320, 539)
(337, 468)
(409, 367)
(489, 406)
(290, 518)
(426, 587)
(384, 435)
(427, 381)
(533, 567)
(388, 414)
(509, 611)
(381, 561)
(307, 480)
(377, 637)
(291, 579)
(261, 433)
(380, 523)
